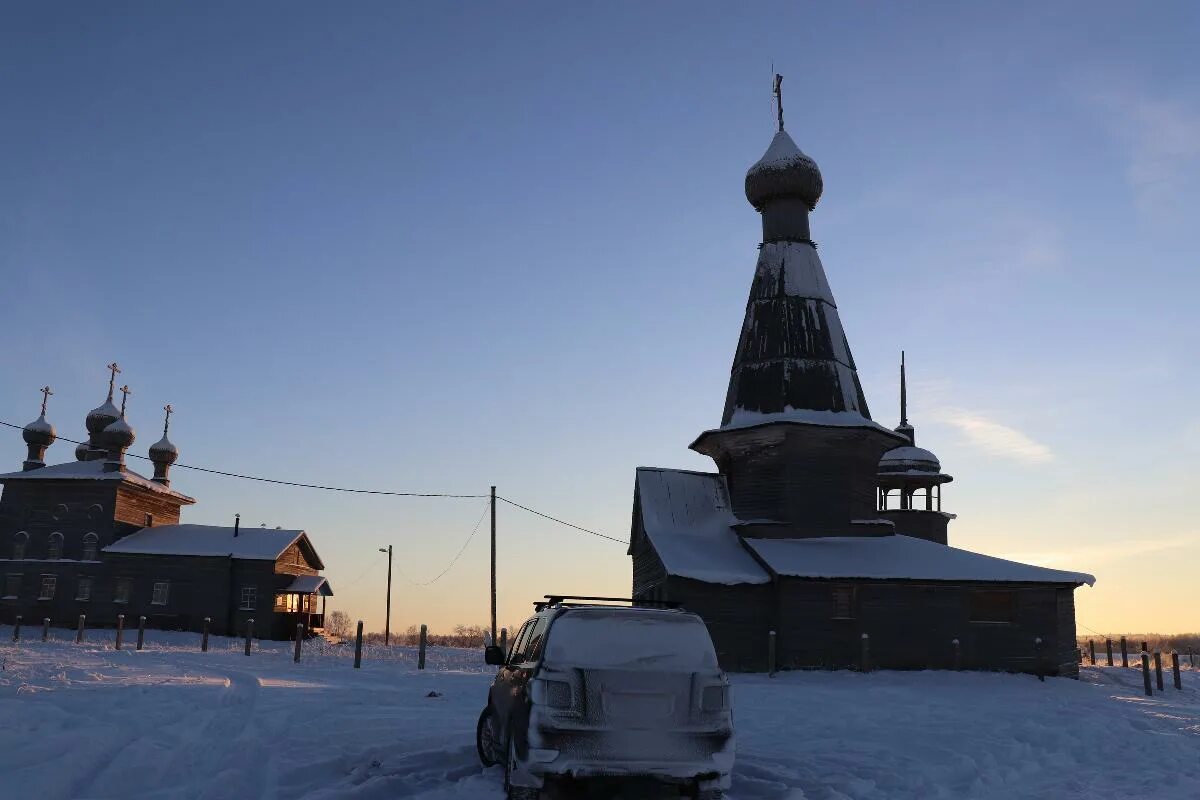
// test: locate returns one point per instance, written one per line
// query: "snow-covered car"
(608, 692)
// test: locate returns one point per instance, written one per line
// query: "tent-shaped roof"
(261, 544)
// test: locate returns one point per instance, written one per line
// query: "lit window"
(84, 590)
(161, 591)
(49, 584)
(249, 598)
(20, 542)
(54, 546)
(12, 586)
(843, 602)
(121, 592)
(149, 520)
(90, 546)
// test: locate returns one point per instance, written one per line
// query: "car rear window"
(630, 640)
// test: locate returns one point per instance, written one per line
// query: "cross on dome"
(112, 380)
(46, 392)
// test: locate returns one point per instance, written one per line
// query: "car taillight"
(555, 694)
(714, 698)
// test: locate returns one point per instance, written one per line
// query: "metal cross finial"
(112, 379)
(778, 91)
(903, 393)
(125, 392)
(45, 396)
(167, 422)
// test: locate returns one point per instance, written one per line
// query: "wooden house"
(93, 537)
(820, 524)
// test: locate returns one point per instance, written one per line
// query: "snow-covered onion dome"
(909, 459)
(39, 432)
(783, 171)
(102, 416)
(81, 451)
(164, 450)
(119, 435)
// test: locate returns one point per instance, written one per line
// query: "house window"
(49, 584)
(993, 606)
(249, 598)
(121, 592)
(149, 520)
(20, 543)
(161, 591)
(54, 546)
(843, 602)
(84, 589)
(12, 586)
(90, 546)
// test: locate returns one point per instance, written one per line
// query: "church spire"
(904, 429)
(38, 436)
(163, 452)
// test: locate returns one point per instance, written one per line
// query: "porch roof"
(308, 584)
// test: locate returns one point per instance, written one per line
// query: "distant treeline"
(472, 636)
(1161, 642)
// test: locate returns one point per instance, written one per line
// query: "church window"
(843, 602)
(993, 606)
(54, 546)
(20, 543)
(161, 592)
(90, 542)
(149, 520)
(121, 591)
(83, 591)
(49, 584)
(249, 598)
(12, 586)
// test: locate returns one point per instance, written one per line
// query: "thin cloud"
(1103, 553)
(996, 438)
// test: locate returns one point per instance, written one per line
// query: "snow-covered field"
(85, 721)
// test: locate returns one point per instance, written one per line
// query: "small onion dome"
(783, 171)
(118, 435)
(39, 432)
(101, 417)
(909, 459)
(164, 451)
(81, 451)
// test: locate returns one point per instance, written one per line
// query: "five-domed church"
(821, 540)
(93, 538)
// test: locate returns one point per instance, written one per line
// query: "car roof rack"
(561, 599)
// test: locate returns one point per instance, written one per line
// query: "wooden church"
(92, 537)
(820, 524)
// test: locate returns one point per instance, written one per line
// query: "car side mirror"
(494, 655)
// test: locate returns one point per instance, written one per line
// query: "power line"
(457, 555)
(560, 521)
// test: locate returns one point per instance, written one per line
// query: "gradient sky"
(434, 247)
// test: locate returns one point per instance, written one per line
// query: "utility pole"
(387, 625)
(494, 565)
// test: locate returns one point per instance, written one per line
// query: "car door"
(503, 692)
(521, 666)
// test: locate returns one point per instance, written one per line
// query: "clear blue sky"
(424, 247)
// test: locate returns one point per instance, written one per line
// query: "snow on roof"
(743, 418)
(781, 153)
(307, 584)
(263, 544)
(687, 518)
(93, 471)
(898, 557)
(803, 274)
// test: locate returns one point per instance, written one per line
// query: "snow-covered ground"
(85, 721)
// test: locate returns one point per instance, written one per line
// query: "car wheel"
(510, 763)
(485, 739)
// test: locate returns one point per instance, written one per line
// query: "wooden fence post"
(141, 632)
(421, 647)
(358, 647)
(1124, 653)
(504, 641)
(249, 633)
(772, 653)
(1175, 670)
(120, 629)
(299, 637)
(1037, 658)
(1108, 648)
(45, 628)
(17, 629)
(1158, 669)
(1145, 647)
(1192, 657)
(1146, 673)
(204, 637)
(957, 654)
(79, 630)
(1092, 651)
(866, 652)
